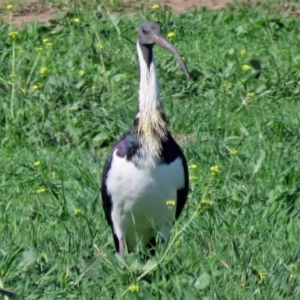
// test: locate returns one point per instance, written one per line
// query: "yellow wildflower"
(45, 41)
(206, 202)
(233, 152)
(81, 72)
(77, 211)
(13, 34)
(37, 163)
(134, 288)
(171, 203)
(99, 46)
(246, 68)
(76, 20)
(215, 170)
(261, 276)
(43, 70)
(298, 82)
(243, 52)
(250, 94)
(49, 44)
(9, 7)
(293, 268)
(38, 49)
(193, 166)
(41, 191)
(292, 276)
(155, 6)
(171, 35)
(35, 87)
(93, 87)
(193, 177)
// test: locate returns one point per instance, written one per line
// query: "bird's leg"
(122, 247)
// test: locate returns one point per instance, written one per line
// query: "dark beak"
(160, 40)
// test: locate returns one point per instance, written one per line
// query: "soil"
(31, 11)
(180, 6)
(43, 12)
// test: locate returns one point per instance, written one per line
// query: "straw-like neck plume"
(152, 126)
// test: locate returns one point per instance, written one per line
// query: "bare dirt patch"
(29, 12)
(180, 6)
(43, 12)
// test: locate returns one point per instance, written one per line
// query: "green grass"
(242, 245)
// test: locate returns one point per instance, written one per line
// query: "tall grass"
(69, 90)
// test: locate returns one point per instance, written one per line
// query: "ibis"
(145, 178)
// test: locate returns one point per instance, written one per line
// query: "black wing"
(172, 151)
(182, 194)
(106, 199)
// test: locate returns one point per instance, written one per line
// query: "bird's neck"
(151, 124)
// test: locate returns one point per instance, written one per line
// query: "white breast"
(139, 197)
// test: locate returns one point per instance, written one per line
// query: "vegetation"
(69, 90)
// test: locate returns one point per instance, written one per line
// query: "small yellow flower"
(99, 46)
(193, 166)
(49, 44)
(77, 211)
(134, 288)
(207, 202)
(9, 7)
(215, 170)
(292, 276)
(171, 203)
(261, 276)
(76, 20)
(177, 244)
(13, 75)
(38, 49)
(20, 49)
(81, 72)
(13, 34)
(243, 52)
(250, 95)
(298, 82)
(35, 87)
(45, 41)
(246, 68)
(183, 58)
(37, 163)
(43, 70)
(171, 35)
(93, 87)
(233, 152)
(193, 178)
(41, 191)
(155, 6)
(293, 267)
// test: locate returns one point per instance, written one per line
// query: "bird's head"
(149, 35)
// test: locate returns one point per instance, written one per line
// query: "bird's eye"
(145, 31)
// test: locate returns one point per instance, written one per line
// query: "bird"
(146, 169)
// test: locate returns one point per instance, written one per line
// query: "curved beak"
(160, 40)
